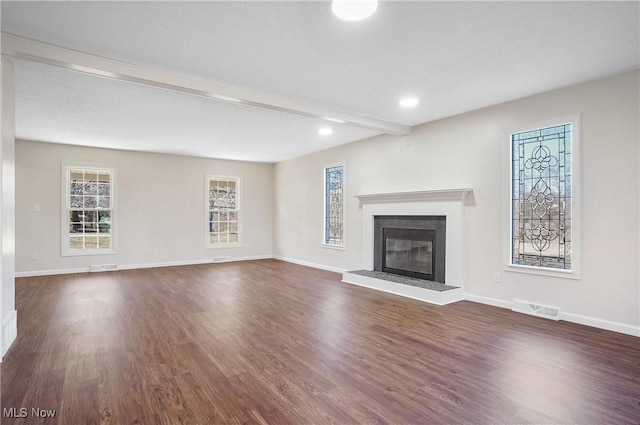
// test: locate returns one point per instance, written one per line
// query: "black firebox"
(412, 246)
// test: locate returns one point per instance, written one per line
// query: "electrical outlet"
(496, 277)
(34, 256)
(36, 208)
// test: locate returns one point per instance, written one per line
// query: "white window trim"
(344, 206)
(64, 219)
(576, 201)
(207, 240)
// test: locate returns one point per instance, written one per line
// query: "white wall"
(160, 203)
(469, 151)
(8, 314)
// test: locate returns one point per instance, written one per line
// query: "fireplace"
(408, 252)
(412, 246)
(441, 211)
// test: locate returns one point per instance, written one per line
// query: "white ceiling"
(454, 56)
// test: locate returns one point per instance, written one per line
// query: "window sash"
(334, 206)
(554, 222)
(541, 197)
(88, 215)
(223, 211)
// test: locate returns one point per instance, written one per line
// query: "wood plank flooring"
(267, 342)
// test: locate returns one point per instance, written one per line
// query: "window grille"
(88, 210)
(223, 210)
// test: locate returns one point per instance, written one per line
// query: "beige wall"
(469, 151)
(161, 207)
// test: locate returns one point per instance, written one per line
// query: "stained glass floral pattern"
(334, 206)
(541, 197)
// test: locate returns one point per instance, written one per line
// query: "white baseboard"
(9, 331)
(308, 264)
(567, 317)
(608, 325)
(191, 262)
(142, 266)
(52, 272)
(250, 258)
(488, 301)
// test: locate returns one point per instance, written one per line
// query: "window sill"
(223, 245)
(336, 247)
(89, 252)
(543, 271)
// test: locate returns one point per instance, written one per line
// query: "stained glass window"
(334, 206)
(541, 195)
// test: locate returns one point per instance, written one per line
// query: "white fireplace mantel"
(442, 202)
(415, 196)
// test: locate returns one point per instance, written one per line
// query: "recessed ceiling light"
(325, 131)
(353, 10)
(408, 102)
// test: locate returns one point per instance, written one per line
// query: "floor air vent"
(103, 267)
(533, 309)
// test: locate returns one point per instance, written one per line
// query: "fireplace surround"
(450, 203)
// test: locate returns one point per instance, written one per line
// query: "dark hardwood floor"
(267, 342)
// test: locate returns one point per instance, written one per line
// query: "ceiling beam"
(23, 48)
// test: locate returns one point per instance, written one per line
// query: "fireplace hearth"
(411, 246)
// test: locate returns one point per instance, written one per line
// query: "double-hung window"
(334, 206)
(88, 215)
(223, 212)
(544, 193)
